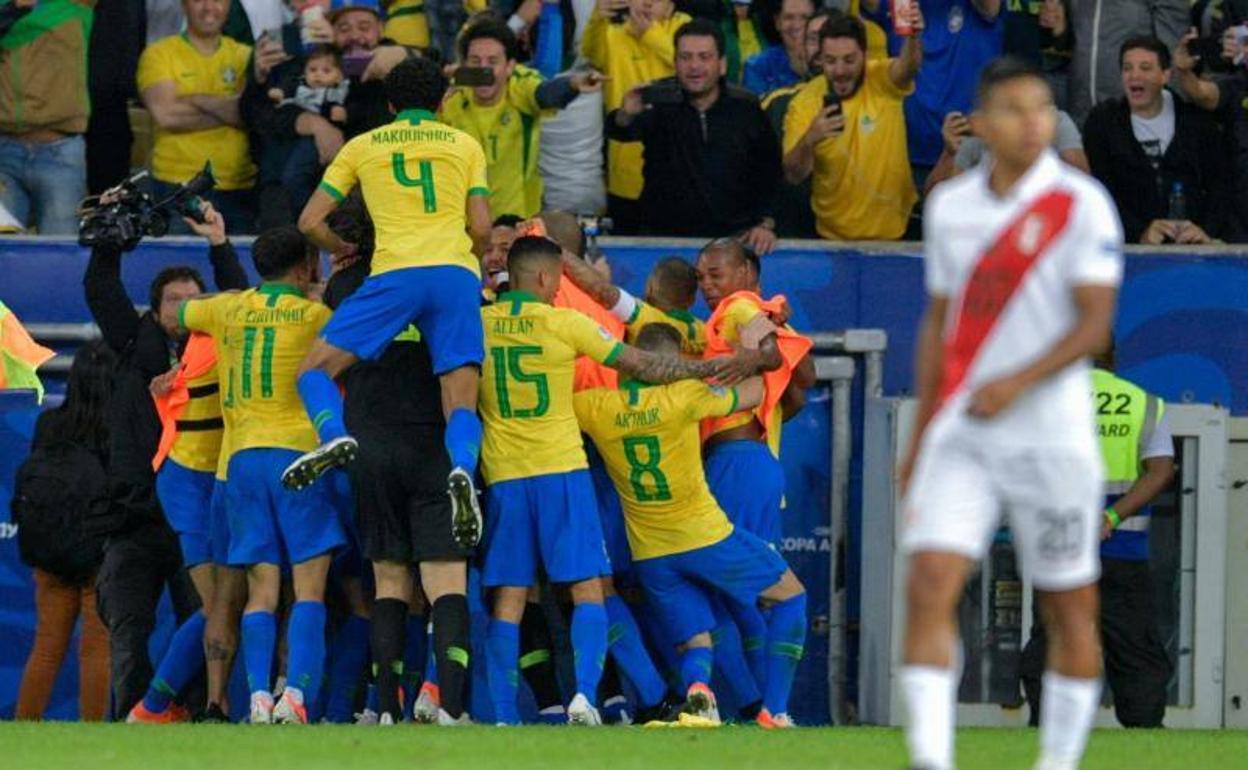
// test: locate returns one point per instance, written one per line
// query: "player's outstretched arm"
(1090, 336)
(590, 281)
(661, 369)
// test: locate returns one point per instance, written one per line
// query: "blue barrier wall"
(1181, 333)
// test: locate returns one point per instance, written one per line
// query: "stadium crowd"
(797, 121)
(740, 124)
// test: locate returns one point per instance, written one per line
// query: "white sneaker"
(290, 709)
(582, 712)
(446, 720)
(366, 718)
(261, 708)
(386, 720)
(428, 704)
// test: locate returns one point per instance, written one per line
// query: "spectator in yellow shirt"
(191, 83)
(847, 128)
(632, 42)
(505, 117)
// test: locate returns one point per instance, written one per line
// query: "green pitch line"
(214, 747)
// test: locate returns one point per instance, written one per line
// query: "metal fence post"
(838, 371)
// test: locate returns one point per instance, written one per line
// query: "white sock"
(930, 698)
(1066, 713)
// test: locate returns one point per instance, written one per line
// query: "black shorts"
(399, 482)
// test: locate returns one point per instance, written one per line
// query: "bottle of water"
(1178, 203)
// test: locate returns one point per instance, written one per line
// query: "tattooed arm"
(661, 369)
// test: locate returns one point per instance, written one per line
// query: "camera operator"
(712, 159)
(141, 554)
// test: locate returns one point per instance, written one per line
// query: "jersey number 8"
(640, 471)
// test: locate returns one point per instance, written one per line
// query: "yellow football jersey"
(862, 187)
(262, 336)
(200, 428)
(692, 330)
(526, 386)
(509, 133)
(179, 155)
(648, 437)
(417, 175)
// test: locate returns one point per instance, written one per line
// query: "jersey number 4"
(507, 369)
(423, 180)
(646, 470)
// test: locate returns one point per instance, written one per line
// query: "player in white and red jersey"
(1023, 259)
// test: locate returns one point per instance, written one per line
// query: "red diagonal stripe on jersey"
(996, 278)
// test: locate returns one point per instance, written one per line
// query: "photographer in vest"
(1138, 453)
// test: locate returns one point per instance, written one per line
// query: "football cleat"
(386, 720)
(428, 704)
(261, 708)
(582, 712)
(366, 718)
(465, 510)
(312, 465)
(446, 720)
(700, 702)
(615, 711)
(777, 722)
(171, 715)
(290, 709)
(666, 710)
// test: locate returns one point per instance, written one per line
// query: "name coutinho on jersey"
(275, 316)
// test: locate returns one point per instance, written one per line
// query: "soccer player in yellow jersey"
(542, 508)
(671, 290)
(262, 335)
(683, 544)
(506, 115)
(424, 185)
(743, 471)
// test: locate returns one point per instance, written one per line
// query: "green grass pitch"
(213, 747)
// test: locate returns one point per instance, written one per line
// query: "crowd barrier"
(1180, 331)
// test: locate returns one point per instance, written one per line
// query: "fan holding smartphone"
(501, 104)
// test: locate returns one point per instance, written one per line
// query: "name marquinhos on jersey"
(408, 135)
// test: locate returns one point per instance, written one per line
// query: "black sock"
(609, 686)
(537, 658)
(450, 643)
(388, 638)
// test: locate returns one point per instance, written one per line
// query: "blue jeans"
(42, 184)
(301, 172)
(237, 206)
